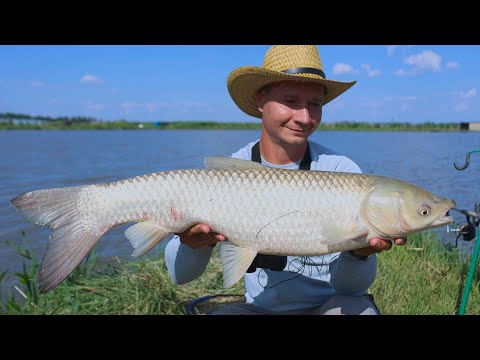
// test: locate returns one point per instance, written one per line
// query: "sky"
(406, 83)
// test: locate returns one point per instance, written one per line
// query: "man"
(287, 93)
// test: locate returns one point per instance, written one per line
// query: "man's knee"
(348, 305)
(236, 309)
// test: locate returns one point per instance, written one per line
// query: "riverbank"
(419, 278)
(17, 121)
(211, 125)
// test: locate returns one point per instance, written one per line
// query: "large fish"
(258, 209)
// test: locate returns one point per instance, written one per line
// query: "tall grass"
(118, 287)
(418, 278)
(423, 278)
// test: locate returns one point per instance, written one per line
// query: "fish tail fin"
(69, 242)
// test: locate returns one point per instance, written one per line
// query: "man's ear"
(260, 98)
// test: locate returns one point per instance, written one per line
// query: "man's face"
(291, 111)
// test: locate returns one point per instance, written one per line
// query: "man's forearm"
(185, 264)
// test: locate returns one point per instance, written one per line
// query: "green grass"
(418, 278)
(137, 287)
(422, 278)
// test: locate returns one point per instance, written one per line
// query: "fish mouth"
(444, 219)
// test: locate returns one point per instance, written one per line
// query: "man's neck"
(281, 154)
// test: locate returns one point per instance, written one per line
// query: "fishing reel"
(467, 231)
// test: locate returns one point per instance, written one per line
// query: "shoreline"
(17, 121)
(342, 126)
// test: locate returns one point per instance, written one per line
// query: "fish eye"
(424, 211)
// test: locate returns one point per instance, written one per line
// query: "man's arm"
(185, 264)
(187, 254)
(351, 275)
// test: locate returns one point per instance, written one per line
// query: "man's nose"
(302, 115)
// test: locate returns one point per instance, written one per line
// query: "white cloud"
(370, 72)
(466, 94)
(408, 98)
(37, 84)
(460, 107)
(90, 79)
(374, 73)
(463, 105)
(342, 69)
(452, 65)
(470, 93)
(424, 61)
(419, 63)
(391, 49)
(52, 101)
(400, 72)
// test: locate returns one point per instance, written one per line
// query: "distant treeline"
(14, 116)
(405, 126)
(24, 121)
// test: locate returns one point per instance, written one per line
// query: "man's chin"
(298, 138)
(295, 141)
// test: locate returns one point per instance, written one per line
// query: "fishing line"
(308, 261)
(293, 212)
(299, 273)
(304, 261)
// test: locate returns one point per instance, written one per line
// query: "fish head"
(395, 208)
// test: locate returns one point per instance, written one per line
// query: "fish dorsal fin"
(235, 262)
(227, 163)
(144, 236)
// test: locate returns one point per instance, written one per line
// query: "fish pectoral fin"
(226, 163)
(336, 234)
(144, 236)
(235, 262)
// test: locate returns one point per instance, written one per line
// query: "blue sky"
(414, 83)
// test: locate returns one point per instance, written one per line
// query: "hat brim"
(245, 82)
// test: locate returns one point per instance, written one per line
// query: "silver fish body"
(258, 209)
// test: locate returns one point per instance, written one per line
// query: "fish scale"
(254, 209)
(258, 209)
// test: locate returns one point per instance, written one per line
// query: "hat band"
(305, 70)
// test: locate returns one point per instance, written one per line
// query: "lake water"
(43, 159)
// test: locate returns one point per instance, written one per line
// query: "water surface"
(44, 159)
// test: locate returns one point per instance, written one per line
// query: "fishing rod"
(468, 232)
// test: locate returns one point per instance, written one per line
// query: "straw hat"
(281, 62)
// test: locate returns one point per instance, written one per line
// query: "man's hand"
(378, 245)
(200, 236)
